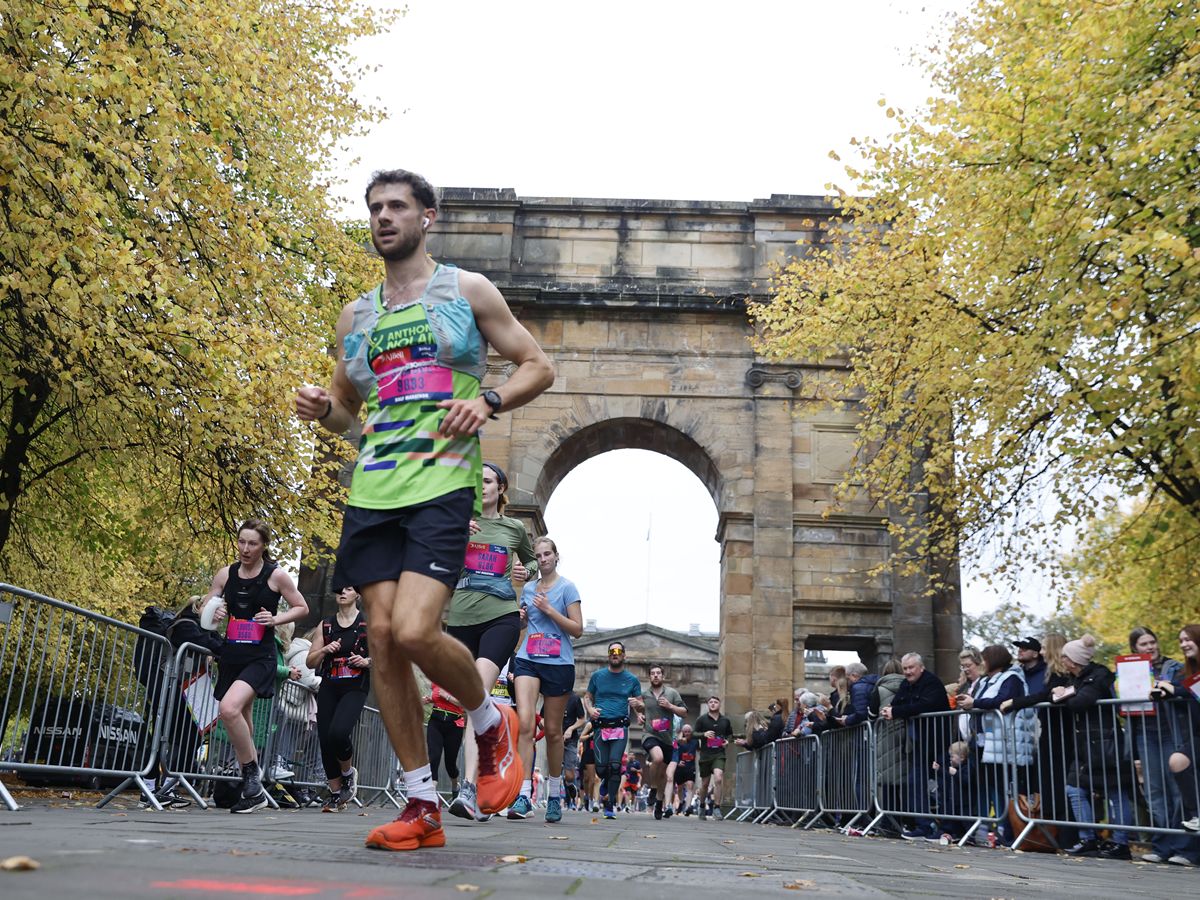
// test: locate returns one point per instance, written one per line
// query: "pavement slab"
(122, 851)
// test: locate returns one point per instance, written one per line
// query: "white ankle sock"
(554, 788)
(485, 717)
(420, 784)
(527, 788)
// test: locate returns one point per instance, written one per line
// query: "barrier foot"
(1016, 845)
(144, 788)
(195, 795)
(875, 821)
(747, 814)
(970, 831)
(12, 804)
(816, 817)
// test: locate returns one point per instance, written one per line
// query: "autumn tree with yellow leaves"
(170, 272)
(1014, 278)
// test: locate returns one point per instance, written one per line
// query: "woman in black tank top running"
(252, 587)
(339, 656)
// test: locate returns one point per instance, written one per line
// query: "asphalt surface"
(123, 851)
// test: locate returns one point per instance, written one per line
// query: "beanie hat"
(1081, 651)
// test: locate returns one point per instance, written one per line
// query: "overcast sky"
(668, 100)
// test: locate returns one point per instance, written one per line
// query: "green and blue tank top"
(403, 362)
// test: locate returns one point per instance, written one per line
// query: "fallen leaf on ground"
(20, 864)
(511, 859)
(651, 836)
(799, 884)
(962, 866)
(728, 842)
(466, 888)
(559, 837)
(749, 875)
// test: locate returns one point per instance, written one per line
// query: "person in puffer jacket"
(1003, 738)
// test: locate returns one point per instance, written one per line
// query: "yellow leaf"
(20, 864)
(511, 859)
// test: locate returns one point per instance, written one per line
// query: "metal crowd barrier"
(1135, 763)
(846, 770)
(1116, 766)
(798, 777)
(74, 707)
(745, 786)
(92, 701)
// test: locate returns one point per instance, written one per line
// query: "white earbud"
(425, 222)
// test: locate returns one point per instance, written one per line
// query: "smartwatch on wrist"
(492, 399)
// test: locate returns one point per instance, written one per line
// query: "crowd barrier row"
(99, 703)
(1037, 775)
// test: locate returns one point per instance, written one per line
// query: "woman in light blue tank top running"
(545, 664)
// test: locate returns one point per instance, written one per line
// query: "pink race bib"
(543, 646)
(245, 631)
(420, 382)
(486, 559)
(715, 743)
(339, 668)
(612, 734)
(660, 724)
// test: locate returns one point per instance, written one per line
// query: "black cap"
(1030, 643)
(500, 476)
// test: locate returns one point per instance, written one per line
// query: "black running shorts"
(379, 544)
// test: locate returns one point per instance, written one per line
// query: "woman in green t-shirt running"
(484, 612)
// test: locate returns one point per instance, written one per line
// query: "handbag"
(1043, 838)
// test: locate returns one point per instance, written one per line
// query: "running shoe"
(249, 804)
(667, 811)
(500, 769)
(658, 810)
(522, 808)
(349, 788)
(419, 825)
(463, 805)
(553, 810)
(1192, 824)
(331, 803)
(609, 813)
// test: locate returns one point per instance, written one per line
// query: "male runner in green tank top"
(413, 352)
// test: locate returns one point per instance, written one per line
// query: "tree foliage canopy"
(1014, 278)
(170, 271)
(1139, 568)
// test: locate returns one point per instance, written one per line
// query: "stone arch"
(626, 433)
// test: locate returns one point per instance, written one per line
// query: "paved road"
(128, 852)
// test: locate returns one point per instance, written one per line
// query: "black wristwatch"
(492, 399)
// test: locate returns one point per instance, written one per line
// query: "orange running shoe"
(419, 825)
(500, 769)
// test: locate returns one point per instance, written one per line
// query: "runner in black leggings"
(339, 655)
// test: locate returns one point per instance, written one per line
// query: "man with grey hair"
(922, 692)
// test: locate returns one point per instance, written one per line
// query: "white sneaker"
(1192, 824)
(1180, 860)
(1152, 858)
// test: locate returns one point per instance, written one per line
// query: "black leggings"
(443, 736)
(338, 709)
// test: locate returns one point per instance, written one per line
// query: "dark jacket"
(186, 630)
(927, 694)
(1101, 755)
(860, 700)
(768, 734)
(1035, 676)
